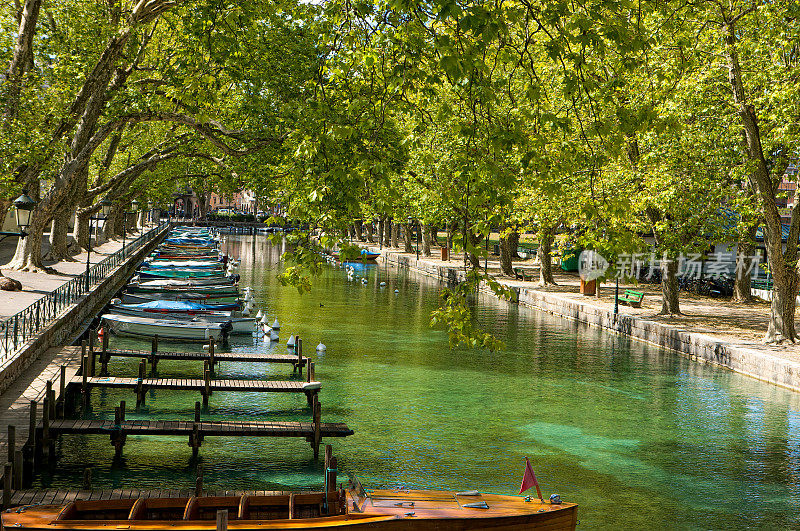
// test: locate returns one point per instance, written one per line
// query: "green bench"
(634, 298)
(520, 274)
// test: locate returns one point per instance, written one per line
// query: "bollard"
(222, 520)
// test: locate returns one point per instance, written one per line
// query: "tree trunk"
(513, 244)
(81, 234)
(669, 287)
(506, 264)
(407, 236)
(395, 235)
(475, 240)
(358, 226)
(369, 229)
(741, 283)
(426, 240)
(381, 227)
(59, 232)
(783, 264)
(546, 238)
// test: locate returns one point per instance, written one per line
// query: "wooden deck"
(204, 356)
(204, 428)
(64, 496)
(197, 384)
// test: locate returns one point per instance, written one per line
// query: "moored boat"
(189, 296)
(339, 509)
(127, 325)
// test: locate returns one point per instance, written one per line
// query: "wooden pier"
(154, 355)
(64, 496)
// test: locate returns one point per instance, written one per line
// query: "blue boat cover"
(176, 305)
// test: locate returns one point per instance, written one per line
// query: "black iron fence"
(25, 325)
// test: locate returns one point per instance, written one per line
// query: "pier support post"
(140, 390)
(317, 419)
(50, 394)
(31, 446)
(46, 424)
(85, 392)
(91, 353)
(299, 350)
(222, 520)
(6, 485)
(118, 437)
(211, 360)
(197, 411)
(154, 354)
(195, 439)
(87, 478)
(198, 482)
(12, 441)
(62, 391)
(18, 474)
(104, 353)
(207, 383)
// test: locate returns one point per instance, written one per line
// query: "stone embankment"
(772, 364)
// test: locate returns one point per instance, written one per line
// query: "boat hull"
(164, 329)
(401, 511)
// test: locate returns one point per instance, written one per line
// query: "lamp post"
(23, 211)
(105, 209)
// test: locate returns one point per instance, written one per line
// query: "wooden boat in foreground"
(342, 509)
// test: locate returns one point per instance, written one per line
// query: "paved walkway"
(37, 285)
(741, 324)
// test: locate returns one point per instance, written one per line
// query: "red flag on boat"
(529, 480)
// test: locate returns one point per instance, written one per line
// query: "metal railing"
(19, 328)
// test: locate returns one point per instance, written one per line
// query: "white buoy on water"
(259, 315)
(383, 284)
(275, 324)
(290, 343)
(321, 347)
(273, 335)
(264, 321)
(397, 291)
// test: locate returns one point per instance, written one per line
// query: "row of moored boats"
(186, 290)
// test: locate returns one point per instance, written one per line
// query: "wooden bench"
(634, 298)
(519, 274)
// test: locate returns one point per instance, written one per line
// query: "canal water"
(641, 438)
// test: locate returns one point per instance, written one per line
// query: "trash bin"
(496, 250)
(445, 254)
(588, 287)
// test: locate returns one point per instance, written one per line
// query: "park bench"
(520, 274)
(634, 298)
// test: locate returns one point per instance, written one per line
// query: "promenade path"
(740, 324)
(37, 285)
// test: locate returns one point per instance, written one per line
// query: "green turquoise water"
(639, 437)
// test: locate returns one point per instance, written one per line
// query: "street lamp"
(23, 211)
(105, 210)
